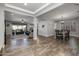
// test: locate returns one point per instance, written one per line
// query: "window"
(14, 27)
(18, 27)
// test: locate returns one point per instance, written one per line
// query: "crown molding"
(51, 7)
(17, 8)
(14, 7)
(18, 12)
(41, 8)
(47, 7)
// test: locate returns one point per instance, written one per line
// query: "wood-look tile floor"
(41, 47)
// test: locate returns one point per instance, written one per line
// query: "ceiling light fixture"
(22, 20)
(62, 21)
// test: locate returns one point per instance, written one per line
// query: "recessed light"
(25, 4)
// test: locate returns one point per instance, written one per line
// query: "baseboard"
(35, 38)
(47, 35)
(1, 50)
(50, 35)
(74, 35)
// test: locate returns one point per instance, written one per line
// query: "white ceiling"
(27, 12)
(30, 6)
(9, 16)
(18, 11)
(66, 12)
(32, 9)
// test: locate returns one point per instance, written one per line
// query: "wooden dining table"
(62, 34)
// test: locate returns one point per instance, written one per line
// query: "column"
(35, 28)
(2, 26)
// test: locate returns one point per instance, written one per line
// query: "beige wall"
(1, 25)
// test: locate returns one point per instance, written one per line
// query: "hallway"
(42, 47)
